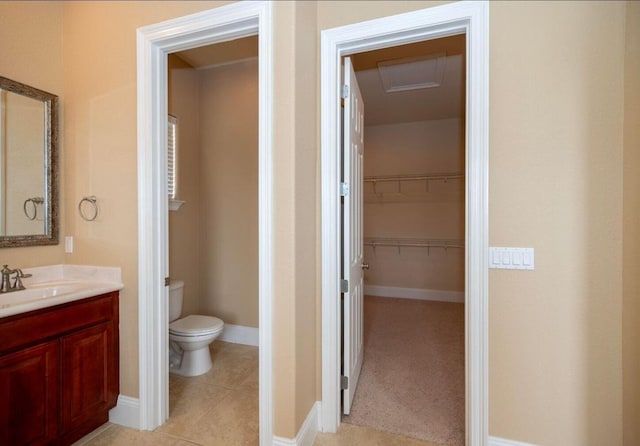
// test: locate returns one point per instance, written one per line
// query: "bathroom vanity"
(58, 371)
(59, 366)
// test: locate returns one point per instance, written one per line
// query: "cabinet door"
(89, 375)
(29, 395)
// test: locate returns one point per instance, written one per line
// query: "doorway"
(452, 19)
(213, 237)
(155, 42)
(411, 379)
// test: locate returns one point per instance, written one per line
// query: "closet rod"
(439, 176)
(415, 243)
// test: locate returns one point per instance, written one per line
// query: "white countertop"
(57, 284)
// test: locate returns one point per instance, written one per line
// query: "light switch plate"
(511, 258)
(68, 244)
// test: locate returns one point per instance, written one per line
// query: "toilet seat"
(196, 325)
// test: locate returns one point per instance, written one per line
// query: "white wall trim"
(126, 413)
(239, 334)
(495, 441)
(154, 43)
(471, 18)
(308, 431)
(414, 293)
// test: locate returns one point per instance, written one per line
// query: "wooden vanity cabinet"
(59, 371)
(29, 395)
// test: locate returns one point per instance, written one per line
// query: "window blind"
(172, 149)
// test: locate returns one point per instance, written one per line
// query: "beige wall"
(413, 210)
(185, 224)
(228, 257)
(31, 49)
(101, 149)
(101, 134)
(557, 101)
(555, 184)
(214, 236)
(334, 14)
(631, 229)
(295, 184)
(306, 183)
(284, 318)
(31, 53)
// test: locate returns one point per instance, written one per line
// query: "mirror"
(28, 165)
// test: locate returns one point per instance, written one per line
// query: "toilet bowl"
(190, 336)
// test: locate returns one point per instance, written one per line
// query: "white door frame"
(471, 18)
(154, 43)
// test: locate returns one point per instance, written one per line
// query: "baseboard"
(495, 441)
(414, 293)
(126, 413)
(307, 433)
(239, 334)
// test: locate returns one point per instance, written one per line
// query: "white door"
(353, 146)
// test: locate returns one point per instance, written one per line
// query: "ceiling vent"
(412, 73)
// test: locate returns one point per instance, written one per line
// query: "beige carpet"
(412, 380)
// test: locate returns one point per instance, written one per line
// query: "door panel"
(29, 396)
(353, 146)
(89, 374)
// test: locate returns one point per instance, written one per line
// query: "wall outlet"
(511, 258)
(68, 244)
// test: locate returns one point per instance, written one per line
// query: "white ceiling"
(442, 102)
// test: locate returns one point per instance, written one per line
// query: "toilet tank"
(176, 288)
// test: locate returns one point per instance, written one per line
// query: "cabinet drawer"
(27, 328)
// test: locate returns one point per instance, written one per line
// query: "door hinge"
(344, 383)
(344, 189)
(167, 281)
(344, 91)
(344, 286)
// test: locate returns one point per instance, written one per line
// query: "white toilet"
(189, 337)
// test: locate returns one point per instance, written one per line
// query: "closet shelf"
(383, 193)
(414, 177)
(414, 242)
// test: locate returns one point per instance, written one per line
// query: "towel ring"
(34, 202)
(91, 199)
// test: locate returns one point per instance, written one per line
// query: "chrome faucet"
(5, 285)
(17, 283)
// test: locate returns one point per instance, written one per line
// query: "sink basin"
(47, 294)
(40, 291)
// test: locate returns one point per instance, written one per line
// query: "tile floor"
(220, 408)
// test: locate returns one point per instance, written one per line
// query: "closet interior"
(412, 380)
(414, 221)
